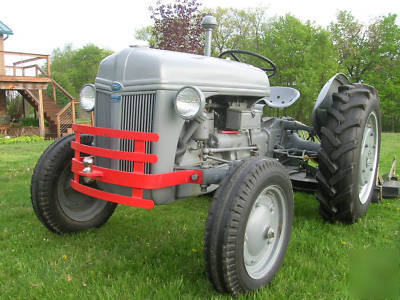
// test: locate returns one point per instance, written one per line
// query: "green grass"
(158, 254)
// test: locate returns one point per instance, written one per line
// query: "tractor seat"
(281, 97)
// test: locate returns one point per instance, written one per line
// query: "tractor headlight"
(87, 97)
(189, 102)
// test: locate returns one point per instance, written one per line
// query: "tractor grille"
(103, 119)
(103, 112)
(136, 115)
(137, 112)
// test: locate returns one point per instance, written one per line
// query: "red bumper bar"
(137, 180)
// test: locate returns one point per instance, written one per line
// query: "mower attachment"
(391, 185)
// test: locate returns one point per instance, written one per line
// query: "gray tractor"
(171, 125)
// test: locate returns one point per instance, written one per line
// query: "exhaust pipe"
(209, 23)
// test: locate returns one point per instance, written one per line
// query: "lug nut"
(269, 233)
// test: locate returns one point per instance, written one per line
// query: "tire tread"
(42, 189)
(338, 145)
(225, 218)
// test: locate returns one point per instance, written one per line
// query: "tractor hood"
(145, 69)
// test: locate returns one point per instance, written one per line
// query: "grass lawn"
(158, 254)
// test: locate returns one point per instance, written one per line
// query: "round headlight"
(87, 97)
(189, 102)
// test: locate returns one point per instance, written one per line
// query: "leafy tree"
(303, 52)
(348, 36)
(385, 75)
(371, 54)
(146, 34)
(177, 26)
(72, 68)
(362, 48)
(306, 54)
(237, 28)
(14, 105)
(305, 59)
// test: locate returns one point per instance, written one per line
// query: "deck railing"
(20, 68)
(17, 69)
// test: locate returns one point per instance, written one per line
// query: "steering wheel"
(233, 53)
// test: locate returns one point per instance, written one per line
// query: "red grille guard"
(137, 180)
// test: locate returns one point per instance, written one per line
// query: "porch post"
(41, 114)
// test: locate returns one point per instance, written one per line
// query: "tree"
(303, 52)
(146, 34)
(237, 28)
(306, 54)
(362, 48)
(177, 27)
(74, 68)
(371, 54)
(305, 59)
(385, 75)
(348, 36)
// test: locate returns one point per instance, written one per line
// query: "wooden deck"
(27, 77)
(23, 82)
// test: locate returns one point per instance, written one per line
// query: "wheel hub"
(264, 231)
(270, 233)
(368, 160)
(76, 206)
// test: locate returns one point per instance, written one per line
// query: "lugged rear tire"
(349, 155)
(54, 202)
(243, 255)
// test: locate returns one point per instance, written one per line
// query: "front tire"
(60, 208)
(349, 156)
(249, 226)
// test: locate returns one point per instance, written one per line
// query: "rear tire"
(349, 156)
(249, 225)
(60, 208)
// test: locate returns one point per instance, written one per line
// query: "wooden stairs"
(50, 109)
(60, 119)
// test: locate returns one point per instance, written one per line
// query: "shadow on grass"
(306, 207)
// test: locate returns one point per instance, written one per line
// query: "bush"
(29, 122)
(14, 107)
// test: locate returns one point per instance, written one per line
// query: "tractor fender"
(324, 100)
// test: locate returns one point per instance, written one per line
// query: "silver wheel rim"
(368, 160)
(76, 206)
(265, 231)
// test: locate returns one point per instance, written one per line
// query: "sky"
(43, 25)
